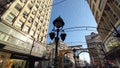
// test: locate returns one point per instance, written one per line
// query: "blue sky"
(75, 13)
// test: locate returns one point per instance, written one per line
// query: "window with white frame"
(32, 32)
(26, 28)
(30, 20)
(35, 24)
(19, 23)
(10, 17)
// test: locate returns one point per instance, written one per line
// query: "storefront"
(9, 57)
(15, 60)
(114, 56)
(4, 59)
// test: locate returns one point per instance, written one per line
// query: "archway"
(66, 56)
(84, 56)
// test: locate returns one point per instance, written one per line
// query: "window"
(30, 20)
(25, 14)
(33, 12)
(32, 1)
(101, 4)
(38, 1)
(10, 17)
(31, 32)
(41, 39)
(119, 6)
(26, 28)
(39, 28)
(38, 16)
(35, 24)
(118, 28)
(44, 24)
(93, 9)
(24, 1)
(18, 7)
(19, 23)
(36, 6)
(95, 0)
(42, 31)
(116, 18)
(30, 6)
(117, 3)
(36, 35)
(111, 43)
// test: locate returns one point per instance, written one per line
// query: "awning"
(28, 57)
(114, 53)
(23, 56)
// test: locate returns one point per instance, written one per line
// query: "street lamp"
(58, 25)
(74, 50)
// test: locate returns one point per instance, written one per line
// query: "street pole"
(74, 50)
(58, 23)
(75, 60)
(56, 49)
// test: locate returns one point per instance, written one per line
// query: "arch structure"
(65, 53)
(79, 49)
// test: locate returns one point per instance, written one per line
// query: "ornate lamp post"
(74, 50)
(58, 25)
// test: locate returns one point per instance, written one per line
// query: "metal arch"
(79, 27)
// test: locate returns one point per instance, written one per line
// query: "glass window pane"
(26, 28)
(10, 17)
(35, 24)
(31, 32)
(2, 36)
(19, 23)
(18, 7)
(30, 20)
(25, 14)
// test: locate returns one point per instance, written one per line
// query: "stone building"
(107, 16)
(95, 48)
(23, 30)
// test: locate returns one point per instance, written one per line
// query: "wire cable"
(79, 27)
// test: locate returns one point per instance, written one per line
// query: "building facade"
(95, 48)
(65, 55)
(107, 16)
(23, 30)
